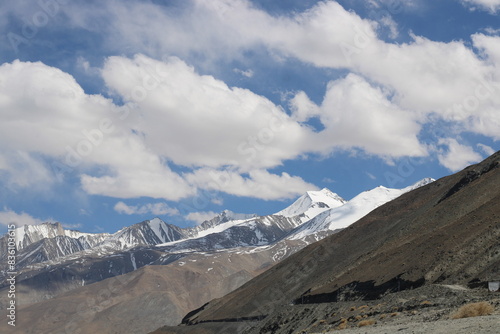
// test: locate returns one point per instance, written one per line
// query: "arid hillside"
(447, 232)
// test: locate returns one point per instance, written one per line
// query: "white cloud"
(246, 73)
(489, 45)
(46, 113)
(42, 102)
(197, 120)
(157, 209)
(217, 200)
(457, 156)
(85, 66)
(424, 77)
(303, 108)
(258, 183)
(211, 26)
(185, 118)
(492, 6)
(8, 216)
(24, 171)
(131, 181)
(486, 149)
(356, 114)
(200, 217)
(391, 25)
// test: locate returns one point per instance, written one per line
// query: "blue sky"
(113, 112)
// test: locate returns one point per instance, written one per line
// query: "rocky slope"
(447, 232)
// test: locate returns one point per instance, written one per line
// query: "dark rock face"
(447, 232)
(470, 176)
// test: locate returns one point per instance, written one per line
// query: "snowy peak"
(353, 210)
(381, 194)
(230, 215)
(163, 231)
(222, 218)
(226, 216)
(326, 196)
(149, 232)
(312, 203)
(29, 234)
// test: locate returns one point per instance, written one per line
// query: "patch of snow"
(132, 259)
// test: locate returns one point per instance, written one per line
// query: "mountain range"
(161, 271)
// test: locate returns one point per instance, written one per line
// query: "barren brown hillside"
(447, 232)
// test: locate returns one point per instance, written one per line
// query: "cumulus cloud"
(424, 77)
(157, 209)
(172, 115)
(457, 156)
(8, 216)
(258, 184)
(356, 114)
(197, 120)
(78, 131)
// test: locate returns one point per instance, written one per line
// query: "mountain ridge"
(156, 232)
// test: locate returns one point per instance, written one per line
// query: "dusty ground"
(427, 309)
(480, 325)
(424, 310)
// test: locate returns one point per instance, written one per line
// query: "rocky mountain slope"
(447, 232)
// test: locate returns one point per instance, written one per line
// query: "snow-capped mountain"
(50, 241)
(230, 230)
(147, 233)
(311, 217)
(256, 231)
(223, 217)
(29, 234)
(342, 216)
(311, 204)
